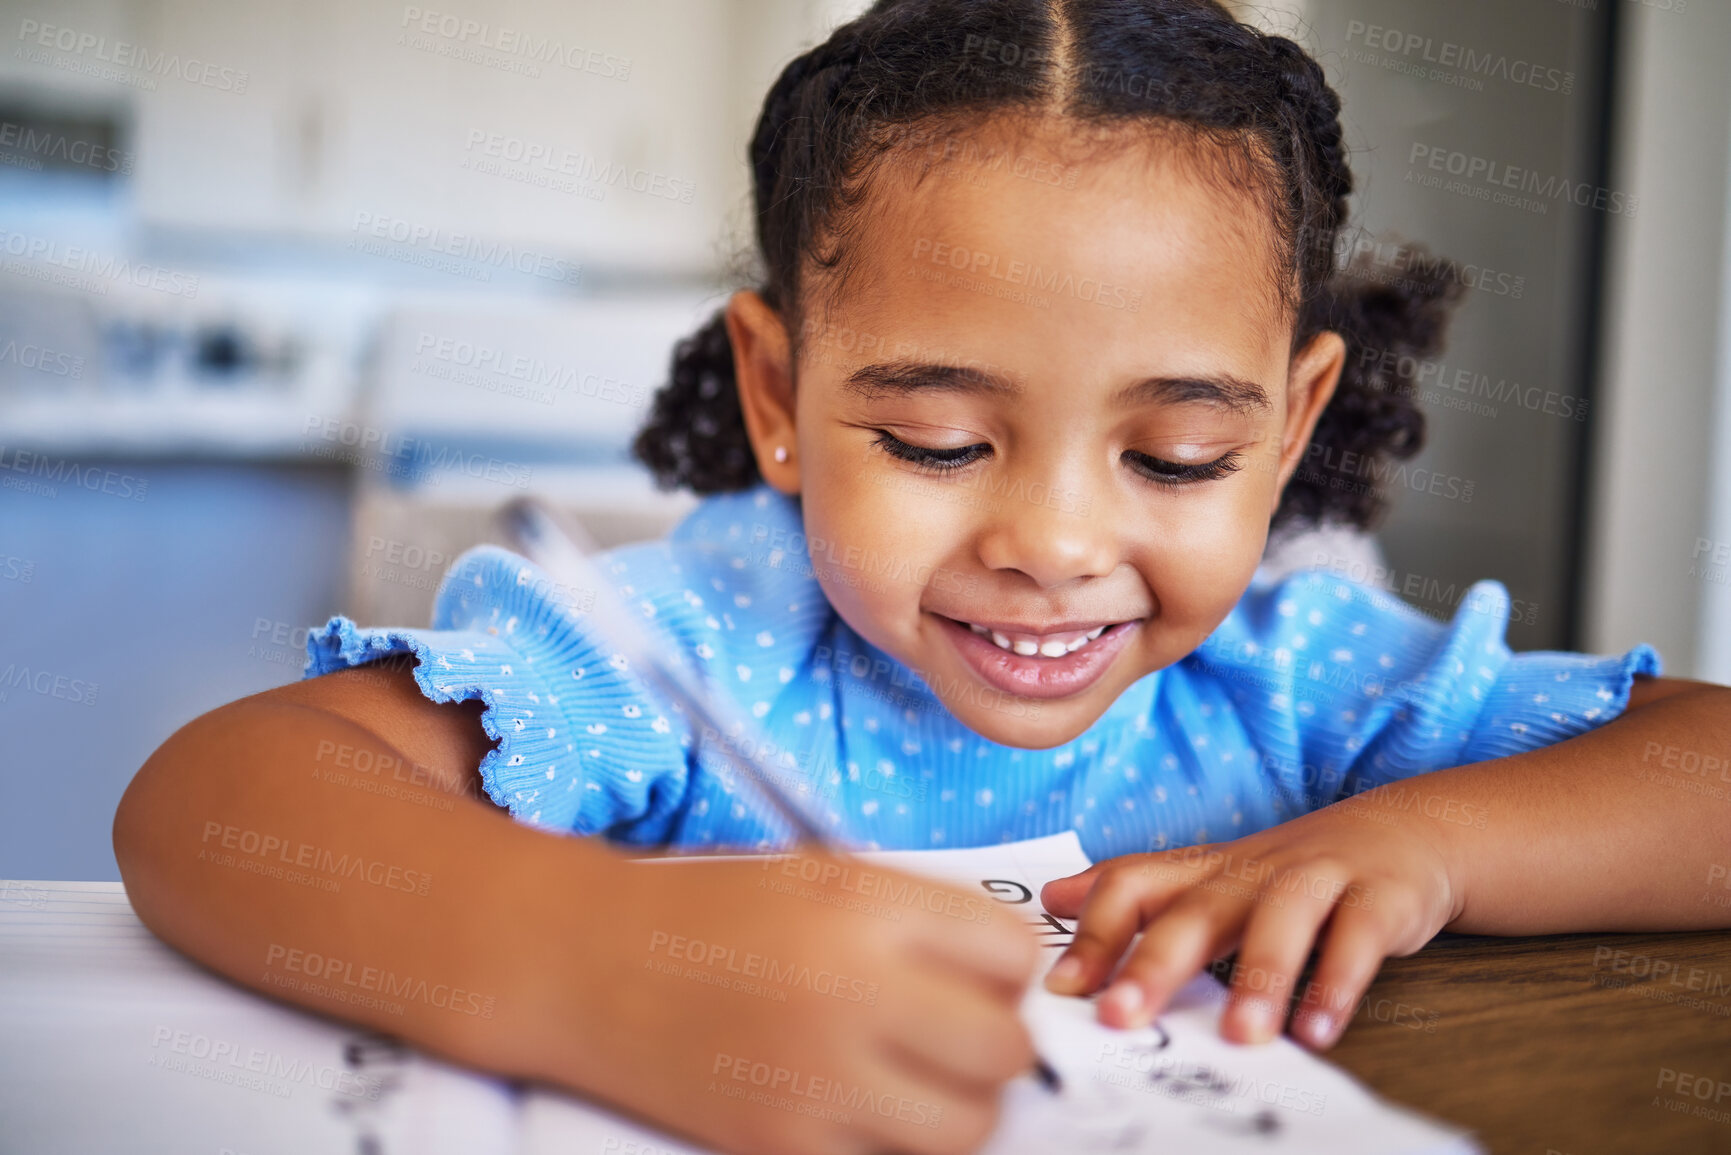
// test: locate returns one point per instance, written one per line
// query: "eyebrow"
(905, 378)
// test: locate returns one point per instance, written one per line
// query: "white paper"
(1175, 1086)
(110, 1041)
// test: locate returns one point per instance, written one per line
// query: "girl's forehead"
(1031, 219)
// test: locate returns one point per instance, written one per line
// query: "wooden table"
(1557, 1044)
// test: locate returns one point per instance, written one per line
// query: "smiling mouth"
(1052, 661)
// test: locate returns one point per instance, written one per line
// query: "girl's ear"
(763, 374)
(1310, 384)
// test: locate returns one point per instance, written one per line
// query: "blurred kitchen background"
(288, 304)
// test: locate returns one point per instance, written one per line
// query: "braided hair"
(906, 69)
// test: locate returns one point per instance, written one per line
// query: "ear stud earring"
(781, 454)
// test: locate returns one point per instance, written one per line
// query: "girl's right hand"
(800, 1005)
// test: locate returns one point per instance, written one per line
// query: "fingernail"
(1125, 1000)
(1255, 1019)
(1317, 1028)
(1064, 977)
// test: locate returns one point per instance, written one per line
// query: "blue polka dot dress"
(1312, 689)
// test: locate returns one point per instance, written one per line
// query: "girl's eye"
(1173, 473)
(936, 460)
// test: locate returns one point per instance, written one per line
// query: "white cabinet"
(605, 133)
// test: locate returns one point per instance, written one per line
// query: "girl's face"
(1041, 429)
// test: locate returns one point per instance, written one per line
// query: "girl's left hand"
(1380, 880)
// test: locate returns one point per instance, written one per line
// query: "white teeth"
(1028, 649)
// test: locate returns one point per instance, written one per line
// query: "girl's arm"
(1605, 831)
(1626, 827)
(326, 843)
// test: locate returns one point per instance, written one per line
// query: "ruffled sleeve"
(1344, 686)
(581, 745)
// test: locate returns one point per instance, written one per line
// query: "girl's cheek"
(1201, 569)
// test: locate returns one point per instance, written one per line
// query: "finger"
(1277, 941)
(955, 1035)
(1355, 946)
(985, 943)
(1121, 902)
(1200, 925)
(1064, 896)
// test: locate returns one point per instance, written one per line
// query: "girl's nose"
(1058, 538)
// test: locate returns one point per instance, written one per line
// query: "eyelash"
(931, 460)
(1161, 472)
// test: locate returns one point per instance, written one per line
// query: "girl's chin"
(1021, 724)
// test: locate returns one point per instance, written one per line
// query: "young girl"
(1049, 332)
